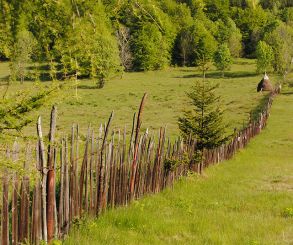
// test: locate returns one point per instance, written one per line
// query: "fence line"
(109, 174)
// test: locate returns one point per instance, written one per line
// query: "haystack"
(265, 84)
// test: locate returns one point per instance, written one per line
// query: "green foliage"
(229, 33)
(15, 111)
(222, 58)
(5, 43)
(287, 15)
(205, 121)
(217, 9)
(265, 56)
(90, 48)
(281, 40)
(288, 213)
(69, 34)
(171, 164)
(49, 22)
(22, 55)
(204, 47)
(5, 30)
(254, 24)
(151, 51)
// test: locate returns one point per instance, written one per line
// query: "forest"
(98, 39)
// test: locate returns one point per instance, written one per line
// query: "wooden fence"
(66, 185)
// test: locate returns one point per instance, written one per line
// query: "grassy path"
(242, 201)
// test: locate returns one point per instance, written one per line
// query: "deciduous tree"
(222, 58)
(265, 56)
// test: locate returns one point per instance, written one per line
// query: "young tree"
(265, 56)
(205, 46)
(126, 56)
(22, 54)
(222, 58)
(205, 121)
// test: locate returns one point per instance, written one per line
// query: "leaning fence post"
(101, 177)
(134, 162)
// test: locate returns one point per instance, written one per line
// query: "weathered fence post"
(101, 176)
(44, 179)
(134, 162)
(5, 209)
(25, 201)
(15, 152)
(51, 177)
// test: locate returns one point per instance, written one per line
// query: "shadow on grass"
(287, 93)
(87, 87)
(218, 75)
(241, 62)
(186, 70)
(4, 79)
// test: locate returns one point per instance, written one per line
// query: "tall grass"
(242, 201)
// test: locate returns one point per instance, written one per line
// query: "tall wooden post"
(51, 177)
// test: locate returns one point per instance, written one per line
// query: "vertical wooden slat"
(61, 194)
(44, 179)
(51, 177)
(98, 167)
(5, 210)
(66, 189)
(72, 177)
(134, 162)
(55, 201)
(101, 171)
(15, 152)
(83, 175)
(91, 173)
(25, 201)
(77, 204)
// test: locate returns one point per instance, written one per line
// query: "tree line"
(98, 38)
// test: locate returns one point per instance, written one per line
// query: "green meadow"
(247, 200)
(166, 99)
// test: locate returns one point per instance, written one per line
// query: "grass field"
(247, 200)
(166, 98)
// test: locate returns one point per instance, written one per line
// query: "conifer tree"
(204, 122)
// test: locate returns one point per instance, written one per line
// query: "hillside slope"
(247, 200)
